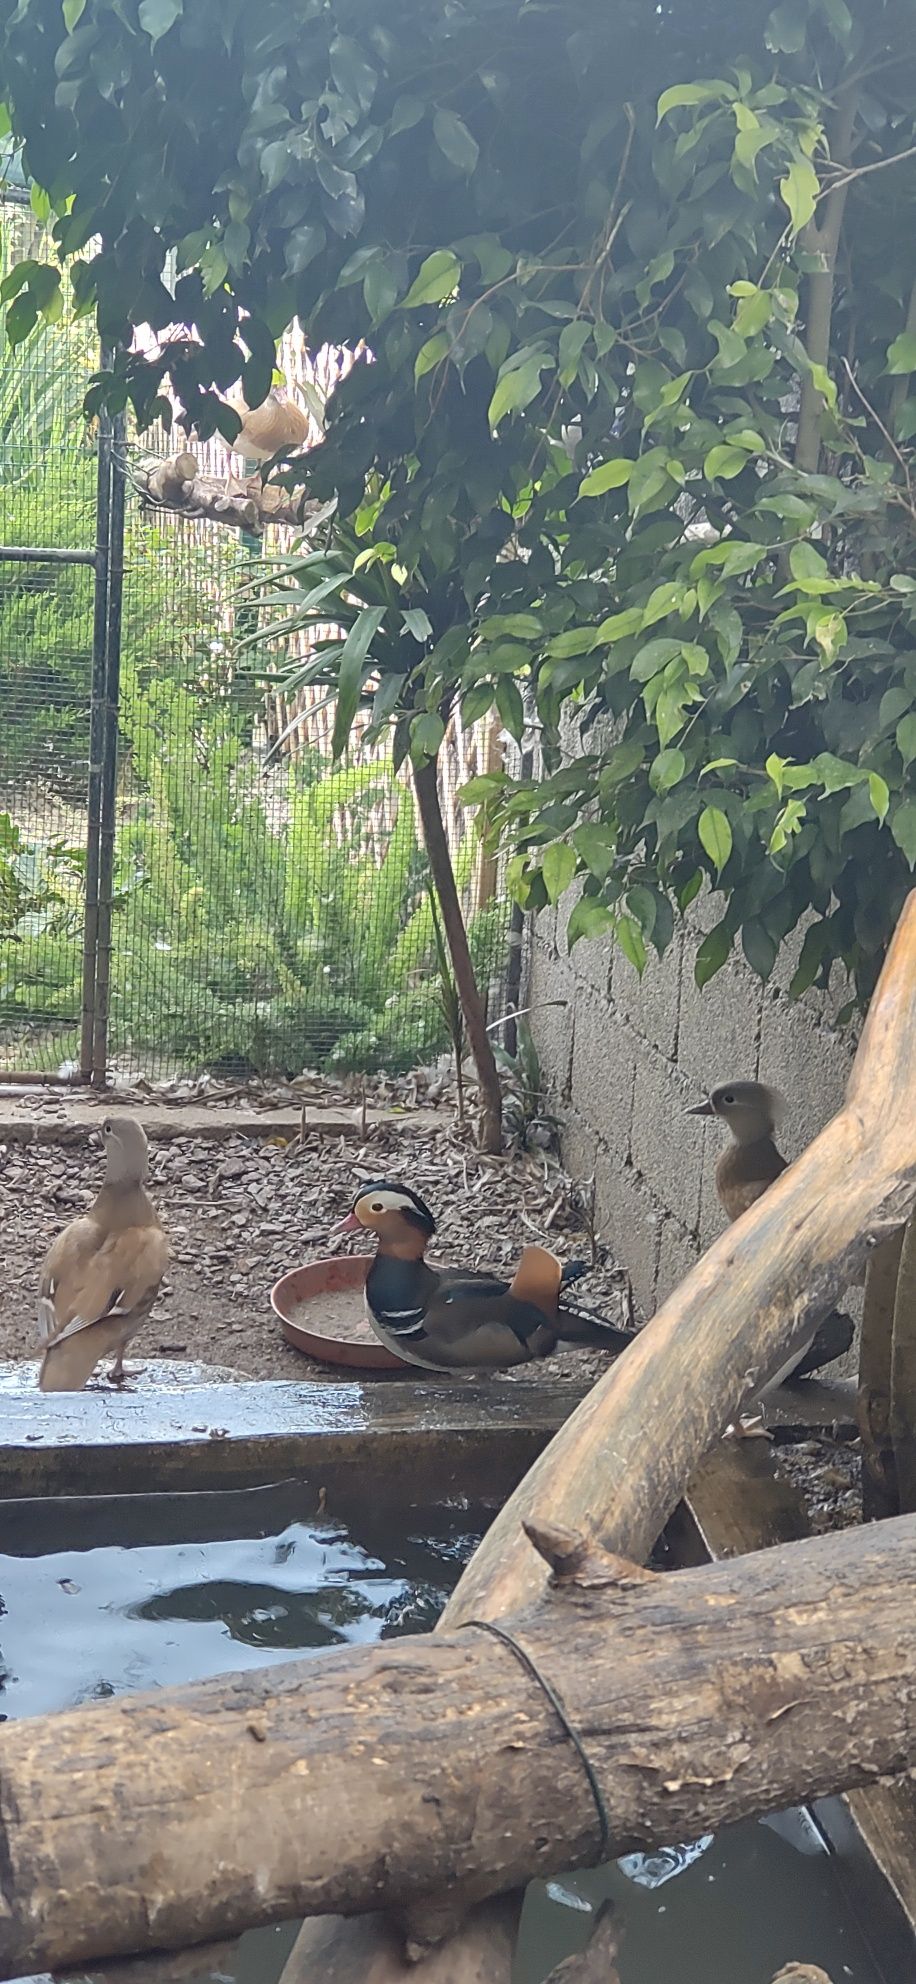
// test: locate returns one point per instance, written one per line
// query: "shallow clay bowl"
(323, 1314)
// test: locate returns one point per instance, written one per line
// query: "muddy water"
(102, 1596)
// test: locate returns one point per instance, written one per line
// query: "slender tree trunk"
(879, 1483)
(426, 785)
(903, 1374)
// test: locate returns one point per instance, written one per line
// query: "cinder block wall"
(622, 1059)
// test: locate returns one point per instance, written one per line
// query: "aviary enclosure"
(187, 882)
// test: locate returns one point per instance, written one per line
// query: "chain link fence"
(187, 881)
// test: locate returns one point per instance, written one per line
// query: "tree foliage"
(633, 427)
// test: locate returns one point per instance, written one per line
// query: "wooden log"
(374, 1946)
(383, 1774)
(595, 1964)
(621, 1463)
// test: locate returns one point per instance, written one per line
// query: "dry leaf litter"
(241, 1211)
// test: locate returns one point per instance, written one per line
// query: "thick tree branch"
(251, 505)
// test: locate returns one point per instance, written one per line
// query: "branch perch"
(248, 505)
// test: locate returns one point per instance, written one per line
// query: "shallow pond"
(105, 1595)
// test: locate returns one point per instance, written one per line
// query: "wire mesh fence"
(269, 911)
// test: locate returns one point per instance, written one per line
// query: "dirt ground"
(242, 1212)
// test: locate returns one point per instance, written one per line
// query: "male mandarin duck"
(458, 1318)
(745, 1170)
(102, 1274)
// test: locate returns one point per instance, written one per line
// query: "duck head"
(398, 1216)
(751, 1109)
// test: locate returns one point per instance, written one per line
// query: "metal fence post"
(108, 787)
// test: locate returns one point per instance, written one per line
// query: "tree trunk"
(629, 1452)
(376, 1776)
(879, 1480)
(903, 1374)
(475, 1020)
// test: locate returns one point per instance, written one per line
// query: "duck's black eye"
(106, 1129)
(378, 1207)
(728, 1100)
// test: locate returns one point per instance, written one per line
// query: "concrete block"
(719, 1026)
(603, 1072)
(678, 1253)
(545, 928)
(591, 961)
(551, 1025)
(667, 1147)
(579, 1147)
(808, 1064)
(653, 1001)
(630, 1223)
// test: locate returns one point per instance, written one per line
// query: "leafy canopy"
(638, 290)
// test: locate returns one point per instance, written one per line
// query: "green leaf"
(476, 701)
(691, 93)
(625, 759)
(879, 794)
(437, 277)
(418, 623)
(455, 141)
(667, 770)
(903, 828)
(596, 847)
(759, 948)
(712, 954)
(799, 189)
(725, 461)
(644, 906)
(649, 660)
(901, 357)
(608, 475)
(558, 866)
(351, 674)
(573, 339)
(510, 706)
(630, 939)
(808, 567)
(426, 733)
(785, 30)
(380, 291)
(715, 836)
(73, 9)
(352, 73)
(813, 951)
(431, 353)
(619, 625)
(157, 16)
(588, 918)
(516, 387)
(906, 738)
(575, 641)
